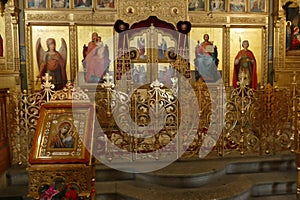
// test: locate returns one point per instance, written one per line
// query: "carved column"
(73, 54)
(226, 57)
(28, 43)
(264, 73)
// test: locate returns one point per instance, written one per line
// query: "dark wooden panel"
(4, 142)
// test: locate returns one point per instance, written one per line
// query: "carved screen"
(151, 55)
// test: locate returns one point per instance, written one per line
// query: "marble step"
(277, 197)
(223, 178)
(229, 187)
(189, 174)
(17, 175)
(14, 192)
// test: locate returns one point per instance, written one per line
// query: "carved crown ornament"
(2, 6)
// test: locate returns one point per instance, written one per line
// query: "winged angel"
(52, 62)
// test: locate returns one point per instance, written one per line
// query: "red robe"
(253, 71)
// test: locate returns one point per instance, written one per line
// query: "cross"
(107, 77)
(107, 83)
(47, 78)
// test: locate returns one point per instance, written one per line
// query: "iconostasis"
(230, 23)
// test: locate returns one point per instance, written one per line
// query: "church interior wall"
(200, 13)
(228, 24)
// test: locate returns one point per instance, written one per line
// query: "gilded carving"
(283, 2)
(9, 39)
(226, 45)
(73, 54)
(47, 17)
(292, 65)
(205, 19)
(39, 175)
(29, 61)
(131, 10)
(284, 61)
(9, 63)
(248, 20)
(97, 18)
(264, 77)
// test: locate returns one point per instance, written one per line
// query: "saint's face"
(245, 45)
(95, 37)
(52, 46)
(64, 130)
(206, 37)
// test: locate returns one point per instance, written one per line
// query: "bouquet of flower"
(59, 192)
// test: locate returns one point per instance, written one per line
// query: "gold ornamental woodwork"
(9, 31)
(171, 11)
(47, 174)
(255, 121)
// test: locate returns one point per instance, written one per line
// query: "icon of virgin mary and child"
(65, 136)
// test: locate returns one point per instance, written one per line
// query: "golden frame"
(70, 4)
(63, 134)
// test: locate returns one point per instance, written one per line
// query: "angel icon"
(52, 62)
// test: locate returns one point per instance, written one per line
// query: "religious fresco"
(36, 3)
(237, 5)
(139, 73)
(51, 54)
(52, 61)
(105, 4)
(254, 38)
(95, 53)
(217, 5)
(60, 4)
(257, 5)
(292, 29)
(215, 36)
(82, 3)
(196, 5)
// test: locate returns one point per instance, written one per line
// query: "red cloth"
(249, 54)
(295, 42)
